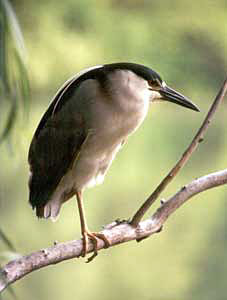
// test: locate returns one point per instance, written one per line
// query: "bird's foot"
(94, 237)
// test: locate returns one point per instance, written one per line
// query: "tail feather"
(40, 198)
(40, 211)
(40, 191)
(52, 209)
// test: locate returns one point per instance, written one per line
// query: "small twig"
(116, 233)
(185, 157)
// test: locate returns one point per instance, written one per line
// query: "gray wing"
(55, 144)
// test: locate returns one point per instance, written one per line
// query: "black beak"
(170, 95)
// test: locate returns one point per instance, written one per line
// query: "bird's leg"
(94, 236)
(83, 223)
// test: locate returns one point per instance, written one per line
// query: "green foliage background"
(185, 41)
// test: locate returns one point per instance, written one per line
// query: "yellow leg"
(86, 233)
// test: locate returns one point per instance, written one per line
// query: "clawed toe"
(94, 237)
(102, 237)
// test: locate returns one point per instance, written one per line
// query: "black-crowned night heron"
(86, 124)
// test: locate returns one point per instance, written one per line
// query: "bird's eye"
(153, 83)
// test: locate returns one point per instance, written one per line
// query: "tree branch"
(185, 157)
(116, 233)
(122, 232)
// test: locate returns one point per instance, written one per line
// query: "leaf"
(14, 84)
(9, 123)
(3, 51)
(14, 27)
(23, 82)
(6, 240)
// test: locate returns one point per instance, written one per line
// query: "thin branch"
(116, 233)
(124, 232)
(185, 157)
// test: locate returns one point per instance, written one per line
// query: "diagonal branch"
(116, 233)
(185, 157)
(122, 232)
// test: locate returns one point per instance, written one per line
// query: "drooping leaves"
(14, 85)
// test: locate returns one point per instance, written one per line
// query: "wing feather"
(64, 93)
(50, 156)
(56, 142)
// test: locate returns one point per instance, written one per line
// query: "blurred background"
(185, 42)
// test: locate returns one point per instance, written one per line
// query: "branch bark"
(116, 233)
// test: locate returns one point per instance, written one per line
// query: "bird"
(87, 123)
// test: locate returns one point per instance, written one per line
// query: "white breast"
(110, 119)
(104, 164)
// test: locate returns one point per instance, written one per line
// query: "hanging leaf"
(9, 123)
(14, 84)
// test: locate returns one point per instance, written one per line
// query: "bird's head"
(158, 89)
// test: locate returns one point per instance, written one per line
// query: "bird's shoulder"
(65, 93)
